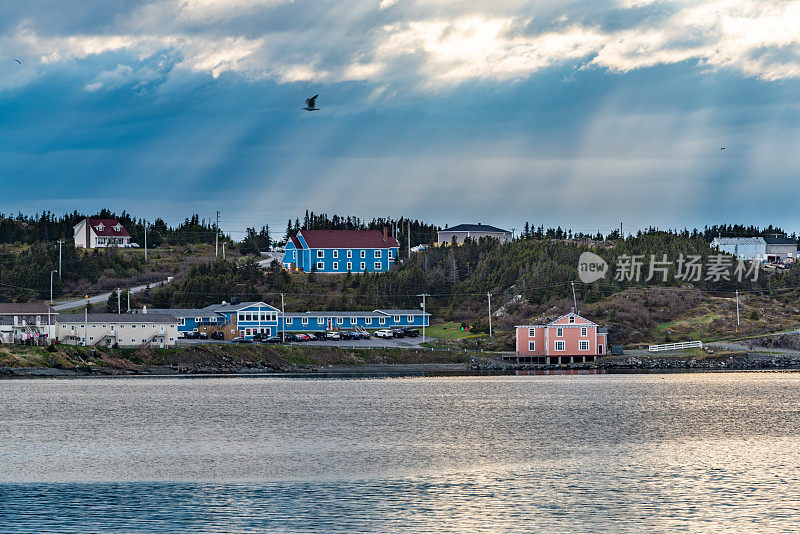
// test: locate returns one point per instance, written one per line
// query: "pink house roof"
(108, 228)
(347, 239)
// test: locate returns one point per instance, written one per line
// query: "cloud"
(431, 43)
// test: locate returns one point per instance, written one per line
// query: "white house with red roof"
(100, 233)
(341, 251)
(569, 339)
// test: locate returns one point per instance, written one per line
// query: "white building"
(99, 233)
(30, 322)
(124, 330)
(763, 249)
(471, 231)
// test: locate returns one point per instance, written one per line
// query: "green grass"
(450, 330)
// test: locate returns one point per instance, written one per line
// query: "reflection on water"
(618, 453)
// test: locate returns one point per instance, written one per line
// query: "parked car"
(385, 334)
(241, 340)
(319, 336)
(271, 339)
(217, 335)
(333, 335)
(192, 335)
(398, 332)
(361, 335)
(303, 337)
(410, 332)
(348, 335)
(202, 335)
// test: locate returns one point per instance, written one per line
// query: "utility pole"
(283, 320)
(86, 322)
(216, 237)
(129, 301)
(145, 241)
(423, 316)
(737, 311)
(119, 301)
(574, 300)
(409, 238)
(490, 313)
(223, 250)
(621, 236)
(60, 242)
(51, 285)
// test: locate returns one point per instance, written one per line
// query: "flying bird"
(311, 103)
(18, 61)
(723, 148)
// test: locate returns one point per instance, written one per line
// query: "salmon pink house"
(569, 339)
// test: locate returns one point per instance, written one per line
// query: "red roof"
(347, 239)
(108, 228)
(296, 242)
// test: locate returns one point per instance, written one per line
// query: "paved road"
(103, 297)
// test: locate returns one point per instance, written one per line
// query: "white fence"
(676, 346)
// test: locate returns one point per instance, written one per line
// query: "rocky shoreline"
(742, 361)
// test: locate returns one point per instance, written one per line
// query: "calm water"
(613, 453)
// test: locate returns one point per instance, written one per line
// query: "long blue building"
(245, 319)
(341, 251)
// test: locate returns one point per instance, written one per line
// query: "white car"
(333, 335)
(384, 333)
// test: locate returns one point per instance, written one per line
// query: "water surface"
(616, 453)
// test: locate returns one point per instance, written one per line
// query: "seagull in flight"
(18, 61)
(723, 148)
(311, 103)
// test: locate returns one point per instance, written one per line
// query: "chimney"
(144, 310)
(385, 238)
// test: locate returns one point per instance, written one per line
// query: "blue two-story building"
(341, 251)
(321, 321)
(241, 319)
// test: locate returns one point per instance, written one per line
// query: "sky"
(582, 114)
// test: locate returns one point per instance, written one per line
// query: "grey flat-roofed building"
(472, 231)
(781, 249)
(123, 330)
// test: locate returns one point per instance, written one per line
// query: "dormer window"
(118, 228)
(100, 227)
(571, 319)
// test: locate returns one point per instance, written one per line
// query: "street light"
(51, 285)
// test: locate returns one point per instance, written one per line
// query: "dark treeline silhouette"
(49, 227)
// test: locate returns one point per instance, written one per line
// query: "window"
(94, 326)
(263, 317)
(363, 253)
(172, 339)
(340, 320)
(100, 227)
(559, 332)
(377, 265)
(369, 320)
(583, 345)
(382, 321)
(410, 318)
(396, 318)
(349, 265)
(305, 321)
(336, 266)
(571, 319)
(391, 254)
(320, 253)
(181, 321)
(353, 320)
(294, 254)
(133, 326)
(240, 317)
(320, 320)
(560, 345)
(377, 253)
(320, 266)
(531, 332)
(91, 338)
(584, 330)
(335, 253)
(349, 253)
(531, 346)
(363, 266)
(288, 320)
